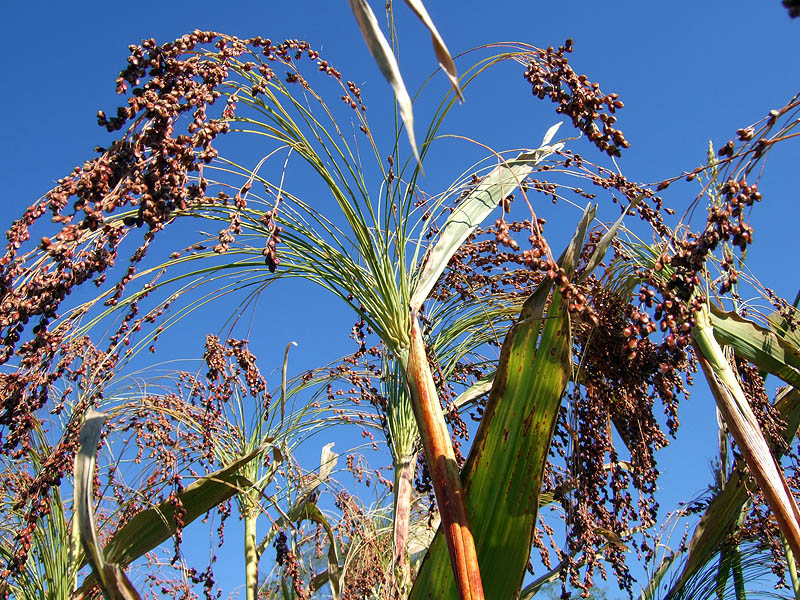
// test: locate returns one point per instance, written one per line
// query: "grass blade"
(439, 48)
(112, 579)
(382, 53)
(503, 475)
(766, 349)
(472, 211)
(151, 527)
(744, 428)
(721, 515)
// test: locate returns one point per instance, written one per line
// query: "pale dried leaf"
(439, 47)
(382, 53)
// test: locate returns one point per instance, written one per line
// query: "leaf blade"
(471, 212)
(764, 348)
(502, 477)
(387, 63)
(722, 513)
(439, 47)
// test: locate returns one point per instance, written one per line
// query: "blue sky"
(688, 72)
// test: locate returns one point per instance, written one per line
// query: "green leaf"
(112, 579)
(605, 241)
(151, 527)
(764, 348)
(503, 475)
(473, 210)
(312, 513)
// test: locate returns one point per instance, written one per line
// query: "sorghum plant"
(589, 345)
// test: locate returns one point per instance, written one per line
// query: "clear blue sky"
(688, 72)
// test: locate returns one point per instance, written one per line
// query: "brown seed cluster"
(591, 111)
(152, 172)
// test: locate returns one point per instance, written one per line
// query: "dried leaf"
(439, 48)
(382, 53)
(472, 211)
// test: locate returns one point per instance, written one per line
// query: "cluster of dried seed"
(367, 572)
(288, 560)
(591, 111)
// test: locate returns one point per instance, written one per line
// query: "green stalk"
(250, 515)
(443, 468)
(792, 566)
(744, 427)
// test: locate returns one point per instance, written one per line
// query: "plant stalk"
(250, 514)
(792, 566)
(403, 488)
(443, 468)
(744, 427)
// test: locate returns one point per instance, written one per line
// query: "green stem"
(738, 575)
(250, 514)
(723, 570)
(744, 428)
(792, 566)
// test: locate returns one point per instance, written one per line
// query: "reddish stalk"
(443, 469)
(404, 486)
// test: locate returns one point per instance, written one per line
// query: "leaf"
(312, 513)
(382, 53)
(764, 348)
(471, 212)
(283, 379)
(722, 513)
(439, 48)
(605, 241)
(151, 527)
(460, 557)
(781, 327)
(745, 430)
(476, 390)
(569, 257)
(503, 474)
(327, 462)
(112, 579)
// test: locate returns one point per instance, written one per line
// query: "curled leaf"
(382, 53)
(439, 48)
